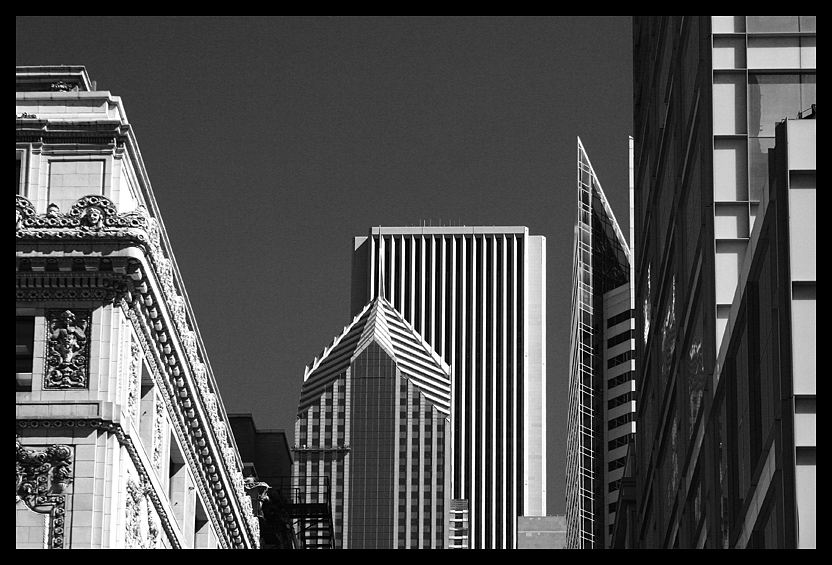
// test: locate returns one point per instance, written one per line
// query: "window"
(620, 379)
(620, 338)
(620, 421)
(619, 359)
(616, 464)
(24, 360)
(619, 400)
(19, 168)
(618, 318)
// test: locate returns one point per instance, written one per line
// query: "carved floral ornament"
(96, 216)
(67, 349)
(41, 473)
(41, 476)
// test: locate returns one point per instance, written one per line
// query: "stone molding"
(146, 287)
(123, 440)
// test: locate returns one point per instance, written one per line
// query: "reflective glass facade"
(710, 92)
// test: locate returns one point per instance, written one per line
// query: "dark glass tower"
(373, 428)
(724, 247)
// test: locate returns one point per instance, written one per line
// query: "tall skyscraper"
(122, 441)
(725, 267)
(601, 417)
(374, 418)
(477, 295)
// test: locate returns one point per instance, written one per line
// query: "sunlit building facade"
(724, 123)
(477, 295)
(601, 408)
(122, 441)
(373, 428)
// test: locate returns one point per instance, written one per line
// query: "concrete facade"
(121, 437)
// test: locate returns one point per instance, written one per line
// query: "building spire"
(380, 263)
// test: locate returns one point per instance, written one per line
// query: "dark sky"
(271, 142)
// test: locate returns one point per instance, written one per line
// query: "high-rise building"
(477, 296)
(601, 409)
(374, 422)
(725, 268)
(122, 440)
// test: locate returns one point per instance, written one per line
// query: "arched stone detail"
(94, 212)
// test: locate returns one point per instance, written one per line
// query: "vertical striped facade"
(477, 295)
(601, 409)
(373, 426)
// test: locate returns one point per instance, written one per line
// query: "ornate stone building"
(122, 440)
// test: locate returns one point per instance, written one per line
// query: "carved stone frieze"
(158, 438)
(62, 86)
(90, 216)
(142, 524)
(67, 349)
(134, 380)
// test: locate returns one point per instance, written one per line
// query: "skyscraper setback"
(477, 296)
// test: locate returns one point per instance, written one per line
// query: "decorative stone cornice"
(30, 128)
(145, 286)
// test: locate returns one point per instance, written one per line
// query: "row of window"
(622, 399)
(619, 359)
(621, 420)
(618, 318)
(620, 338)
(619, 442)
(620, 379)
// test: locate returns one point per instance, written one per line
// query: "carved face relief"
(93, 217)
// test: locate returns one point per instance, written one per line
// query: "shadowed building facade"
(725, 181)
(477, 296)
(373, 422)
